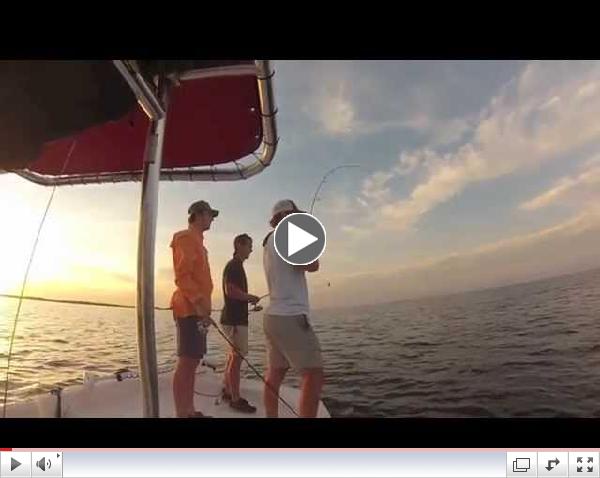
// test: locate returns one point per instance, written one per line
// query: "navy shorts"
(191, 337)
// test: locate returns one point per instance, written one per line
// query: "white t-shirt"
(287, 285)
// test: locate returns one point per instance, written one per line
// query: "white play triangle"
(298, 239)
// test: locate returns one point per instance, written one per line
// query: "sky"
(471, 175)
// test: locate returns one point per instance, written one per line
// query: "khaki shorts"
(291, 341)
(238, 336)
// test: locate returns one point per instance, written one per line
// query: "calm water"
(524, 350)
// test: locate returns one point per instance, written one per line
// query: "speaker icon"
(43, 463)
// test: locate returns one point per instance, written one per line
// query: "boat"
(119, 396)
(96, 122)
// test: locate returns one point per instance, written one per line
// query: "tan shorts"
(238, 336)
(291, 341)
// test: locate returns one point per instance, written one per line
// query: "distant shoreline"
(326, 308)
(75, 302)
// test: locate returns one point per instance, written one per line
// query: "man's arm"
(234, 292)
(233, 278)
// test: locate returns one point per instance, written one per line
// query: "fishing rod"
(25, 278)
(322, 183)
(324, 180)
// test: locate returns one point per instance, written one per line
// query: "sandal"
(243, 406)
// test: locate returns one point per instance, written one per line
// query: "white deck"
(109, 398)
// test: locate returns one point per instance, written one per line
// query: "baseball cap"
(285, 205)
(201, 206)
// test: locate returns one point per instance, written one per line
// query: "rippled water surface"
(523, 350)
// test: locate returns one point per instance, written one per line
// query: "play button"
(300, 239)
(14, 464)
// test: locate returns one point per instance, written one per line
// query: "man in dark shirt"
(234, 319)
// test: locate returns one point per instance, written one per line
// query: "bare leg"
(271, 393)
(312, 384)
(234, 376)
(183, 386)
(226, 381)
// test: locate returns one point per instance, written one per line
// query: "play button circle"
(300, 239)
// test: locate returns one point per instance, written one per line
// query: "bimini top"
(77, 122)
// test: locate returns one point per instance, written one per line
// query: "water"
(523, 350)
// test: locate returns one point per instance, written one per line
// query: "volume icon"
(43, 463)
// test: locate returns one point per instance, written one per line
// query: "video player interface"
(297, 463)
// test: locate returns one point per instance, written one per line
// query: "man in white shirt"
(291, 340)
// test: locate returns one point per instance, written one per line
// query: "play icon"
(300, 239)
(15, 464)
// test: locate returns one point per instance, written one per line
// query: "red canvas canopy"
(70, 122)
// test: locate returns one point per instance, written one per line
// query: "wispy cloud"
(335, 111)
(583, 185)
(549, 110)
(519, 258)
(369, 104)
(376, 188)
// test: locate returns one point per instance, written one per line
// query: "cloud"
(356, 232)
(571, 245)
(356, 99)
(336, 205)
(451, 131)
(337, 116)
(375, 188)
(548, 111)
(336, 113)
(584, 185)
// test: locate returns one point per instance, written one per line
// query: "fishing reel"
(256, 307)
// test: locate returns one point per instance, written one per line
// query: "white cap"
(285, 205)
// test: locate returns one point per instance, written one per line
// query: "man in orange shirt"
(191, 303)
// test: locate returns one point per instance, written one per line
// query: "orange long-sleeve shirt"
(192, 274)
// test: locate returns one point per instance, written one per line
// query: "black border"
(288, 433)
(301, 32)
